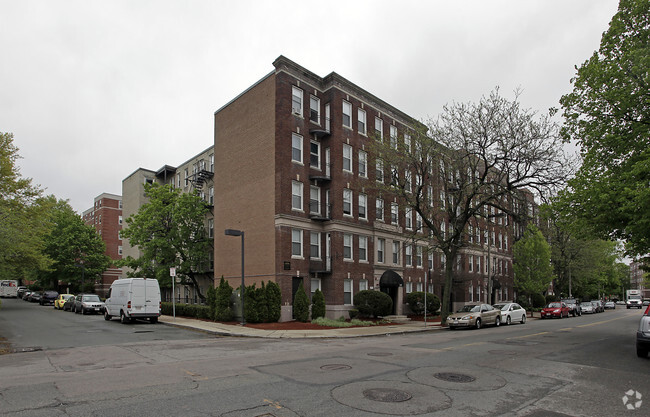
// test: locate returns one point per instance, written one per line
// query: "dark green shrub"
(524, 302)
(318, 305)
(261, 304)
(550, 298)
(211, 300)
(187, 310)
(273, 301)
(538, 300)
(415, 301)
(301, 305)
(372, 303)
(222, 308)
(251, 313)
(354, 313)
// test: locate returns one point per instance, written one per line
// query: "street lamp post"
(233, 232)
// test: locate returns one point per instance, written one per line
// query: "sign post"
(172, 274)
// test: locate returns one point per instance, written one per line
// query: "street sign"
(172, 272)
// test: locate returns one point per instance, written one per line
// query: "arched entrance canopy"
(391, 278)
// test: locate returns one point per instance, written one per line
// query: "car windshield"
(470, 308)
(554, 305)
(91, 298)
(67, 296)
(585, 304)
(500, 306)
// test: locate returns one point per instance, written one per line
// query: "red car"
(555, 309)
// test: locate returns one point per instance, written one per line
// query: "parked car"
(643, 335)
(133, 298)
(587, 307)
(88, 303)
(610, 305)
(48, 297)
(574, 306)
(474, 315)
(555, 309)
(21, 291)
(511, 313)
(69, 303)
(34, 297)
(598, 306)
(60, 300)
(26, 295)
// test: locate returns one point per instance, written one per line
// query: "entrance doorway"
(391, 283)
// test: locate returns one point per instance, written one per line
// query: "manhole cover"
(454, 377)
(386, 395)
(335, 367)
(380, 354)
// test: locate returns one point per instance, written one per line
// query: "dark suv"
(48, 297)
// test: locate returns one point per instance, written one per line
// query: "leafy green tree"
(170, 231)
(76, 250)
(318, 305)
(301, 305)
(211, 301)
(473, 160)
(274, 301)
(532, 262)
(24, 216)
(608, 115)
(223, 309)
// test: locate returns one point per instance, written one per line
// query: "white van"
(133, 298)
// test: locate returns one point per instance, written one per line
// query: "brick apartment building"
(292, 170)
(637, 280)
(192, 175)
(106, 217)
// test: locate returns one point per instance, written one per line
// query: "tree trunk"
(446, 293)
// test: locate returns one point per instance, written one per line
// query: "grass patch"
(321, 321)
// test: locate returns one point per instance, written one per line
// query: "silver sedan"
(511, 313)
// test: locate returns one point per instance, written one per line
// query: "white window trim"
(302, 149)
(300, 188)
(343, 106)
(348, 192)
(351, 246)
(294, 90)
(300, 234)
(363, 245)
(347, 149)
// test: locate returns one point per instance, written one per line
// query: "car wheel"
(76, 310)
(508, 320)
(153, 320)
(641, 352)
(83, 311)
(497, 322)
(523, 319)
(107, 316)
(123, 318)
(478, 323)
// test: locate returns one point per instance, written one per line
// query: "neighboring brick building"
(194, 174)
(106, 217)
(637, 281)
(292, 171)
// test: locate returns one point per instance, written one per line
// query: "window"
(430, 260)
(381, 248)
(314, 109)
(379, 214)
(393, 213)
(379, 128)
(363, 284)
(211, 195)
(296, 243)
(296, 101)
(408, 255)
(471, 292)
(347, 201)
(395, 252)
(314, 245)
(409, 287)
(187, 177)
(119, 220)
(363, 248)
(379, 170)
(471, 263)
(315, 285)
(314, 200)
(478, 263)
(314, 155)
(407, 143)
(363, 206)
(418, 222)
(418, 256)
(409, 219)
(119, 250)
(347, 157)
(296, 195)
(347, 291)
(347, 114)
(419, 286)
(361, 122)
(363, 164)
(407, 181)
(296, 148)
(210, 228)
(347, 247)
(393, 137)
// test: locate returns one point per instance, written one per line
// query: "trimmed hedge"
(301, 305)
(222, 308)
(372, 303)
(318, 305)
(186, 310)
(415, 301)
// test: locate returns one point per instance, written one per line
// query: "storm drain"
(335, 367)
(454, 377)
(387, 395)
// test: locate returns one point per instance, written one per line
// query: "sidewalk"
(244, 331)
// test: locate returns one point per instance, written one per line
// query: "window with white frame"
(296, 101)
(418, 222)
(363, 248)
(394, 209)
(347, 114)
(363, 206)
(315, 285)
(396, 252)
(296, 243)
(211, 195)
(379, 128)
(363, 164)
(347, 201)
(361, 121)
(119, 221)
(409, 218)
(408, 255)
(381, 249)
(478, 263)
(314, 200)
(119, 250)
(418, 256)
(296, 195)
(296, 148)
(407, 181)
(347, 246)
(470, 263)
(471, 292)
(363, 284)
(379, 209)
(418, 286)
(314, 109)
(379, 170)
(347, 157)
(314, 245)
(393, 137)
(347, 291)
(407, 143)
(409, 287)
(430, 261)
(210, 228)
(314, 155)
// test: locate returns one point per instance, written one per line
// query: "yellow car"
(60, 300)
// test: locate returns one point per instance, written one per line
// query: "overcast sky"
(93, 90)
